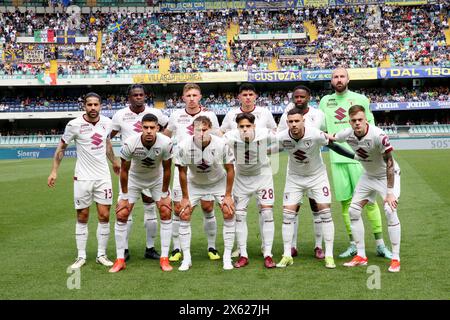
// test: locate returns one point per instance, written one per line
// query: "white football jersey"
(129, 123)
(251, 157)
(181, 123)
(90, 141)
(264, 119)
(313, 118)
(369, 149)
(204, 166)
(146, 164)
(305, 158)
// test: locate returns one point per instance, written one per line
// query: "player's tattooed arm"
(112, 158)
(389, 160)
(57, 158)
(341, 150)
(390, 199)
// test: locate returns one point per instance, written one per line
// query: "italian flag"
(47, 78)
(44, 36)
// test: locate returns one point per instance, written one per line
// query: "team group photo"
(225, 150)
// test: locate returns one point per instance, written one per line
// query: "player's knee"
(227, 212)
(289, 216)
(354, 211)
(207, 206)
(165, 212)
(83, 215)
(267, 214)
(185, 215)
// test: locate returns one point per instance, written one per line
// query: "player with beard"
(346, 172)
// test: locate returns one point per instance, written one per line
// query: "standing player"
(180, 127)
(92, 179)
(206, 171)
(146, 165)
(345, 172)
(127, 122)
(306, 174)
(263, 119)
(313, 118)
(382, 175)
(253, 177)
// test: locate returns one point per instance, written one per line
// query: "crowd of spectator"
(194, 41)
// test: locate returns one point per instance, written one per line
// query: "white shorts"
(210, 192)
(87, 191)
(152, 187)
(316, 187)
(146, 192)
(246, 186)
(368, 187)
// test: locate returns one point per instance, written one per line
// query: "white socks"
(210, 228)
(242, 232)
(287, 230)
(81, 236)
(120, 233)
(185, 239)
(394, 230)
(268, 230)
(357, 227)
(166, 235)
(229, 229)
(129, 225)
(102, 237)
(327, 226)
(318, 232)
(150, 223)
(175, 231)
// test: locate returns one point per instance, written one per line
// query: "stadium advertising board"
(239, 76)
(413, 105)
(34, 153)
(413, 72)
(313, 75)
(353, 2)
(182, 6)
(405, 2)
(315, 3)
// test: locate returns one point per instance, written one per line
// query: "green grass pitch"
(37, 228)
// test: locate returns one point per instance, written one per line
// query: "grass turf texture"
(37, 228)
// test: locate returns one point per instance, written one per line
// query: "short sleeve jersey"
(90, 141)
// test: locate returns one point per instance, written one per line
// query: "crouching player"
(382, 175)
(146, 164)
(205, 165)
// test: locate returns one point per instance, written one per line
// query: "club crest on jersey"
(308, 143)
(157, 151)
(368, 143)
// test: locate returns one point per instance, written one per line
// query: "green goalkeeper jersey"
(335, 107)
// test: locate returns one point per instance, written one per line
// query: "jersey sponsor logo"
(137, 126)
(299, 155)
(331, 103)
(287, 144)
(362, 153)
(190, 129)
(340, 114)
(96, 139)
(148, 162)
(203, 166)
